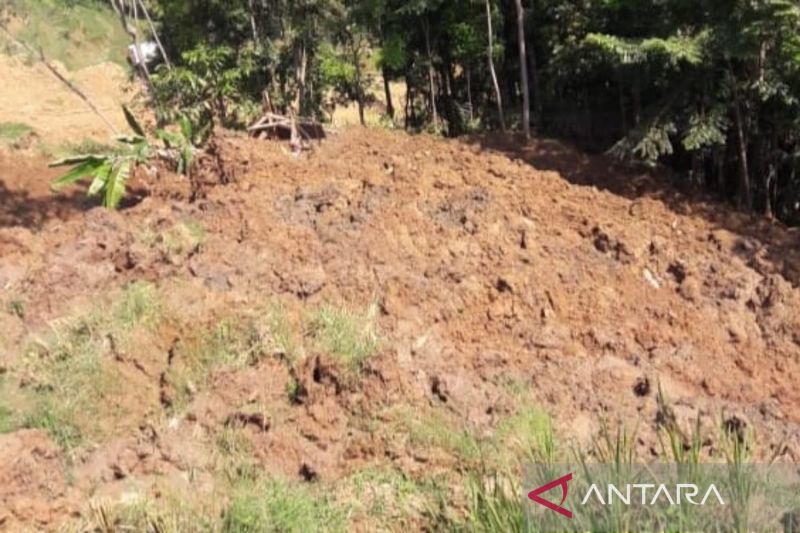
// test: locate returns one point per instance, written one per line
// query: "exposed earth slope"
(489, 286)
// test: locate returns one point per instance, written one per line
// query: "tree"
(523, 68)
(490, 56)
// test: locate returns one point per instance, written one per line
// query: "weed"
(7, 422)
(69, 370)
(526, 434)
(433, 429)
(70, 379)
(140, 305)
(88, 146)
(181, 239)
(740, 475)
(13, 131)
(293, 390)
(496, 505)
(17, 308)
(350, 337)
(387, 495)
(230, 343)
(235, 454)
(276, 505)
(280, 327)
(168, 514)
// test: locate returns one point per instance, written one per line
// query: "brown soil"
(34, 96)
(489, 263)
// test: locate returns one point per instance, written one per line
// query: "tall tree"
(490, 55)
(523, 70)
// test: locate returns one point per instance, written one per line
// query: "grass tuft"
(69, 368)
(276, 505)
(168, 514)
(70, 381)
(11, 132)
(230, 343)
(435, 429)
(139, 305)
(349, 336)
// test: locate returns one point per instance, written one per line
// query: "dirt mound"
(498, 285)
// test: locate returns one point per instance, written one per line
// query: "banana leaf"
(86, 168)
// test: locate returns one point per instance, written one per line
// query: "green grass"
(139, 305)
(69, 365)
(70, 381)
(275, 505)
(284, 341)
(434, 428)
(168, 514)
(351, 337)
(230, 343)
(7, 423)
(88, 146)
(78, 33)
(177, 241)
(16, 307)
(388, 496)
(11, 132)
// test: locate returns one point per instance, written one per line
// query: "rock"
(651, 278)
(737, 332)
(690, 290)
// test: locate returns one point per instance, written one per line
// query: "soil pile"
(500, 276)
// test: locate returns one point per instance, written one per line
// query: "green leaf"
(100, 178)
(73, 159)
(186, 159)
(132, 122)
(115, 187)
(87, 168)
(186, 128)
(171, 140)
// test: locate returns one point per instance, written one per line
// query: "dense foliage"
(708, 87)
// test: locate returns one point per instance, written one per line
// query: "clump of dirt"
(503, 282)
(34, 492)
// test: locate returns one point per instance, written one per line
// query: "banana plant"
(184, 143)
(109, 171)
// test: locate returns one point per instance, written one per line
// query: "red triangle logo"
(562, 482)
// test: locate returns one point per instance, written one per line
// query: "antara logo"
(638, 493)
(560, 482)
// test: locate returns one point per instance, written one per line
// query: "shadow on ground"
(21, 208)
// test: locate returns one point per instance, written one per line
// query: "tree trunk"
(139, 56)
(533, 71)
(388, 91)
(155, 34)
(523, 70)
(468, 73)
(431, 84)
(253, 26)
(744, 172)
(300, 77)
(359, 89)
(408, 104)
(491, 67)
